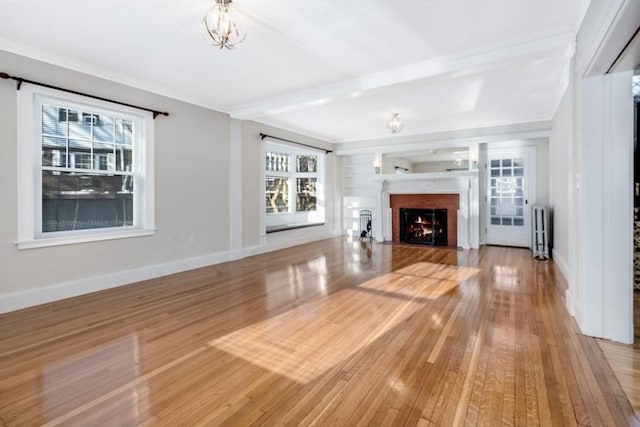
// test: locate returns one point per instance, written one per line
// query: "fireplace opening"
(423, 226)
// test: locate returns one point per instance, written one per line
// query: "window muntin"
(85, 169)
(285, 184)
(87, 178)
(507, 192)
(294, 187)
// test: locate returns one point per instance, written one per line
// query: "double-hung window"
(85, 169)
(294, 187)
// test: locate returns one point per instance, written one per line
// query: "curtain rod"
(21, 80)
(264, 135)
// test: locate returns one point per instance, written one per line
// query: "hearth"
(423, 226)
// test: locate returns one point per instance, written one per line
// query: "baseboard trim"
(573, 309)
(23, 299)
(32, 297)
(562, 264)
(285, 240)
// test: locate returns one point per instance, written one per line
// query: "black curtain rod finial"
(20, 80)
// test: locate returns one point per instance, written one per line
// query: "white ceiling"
(332, 69)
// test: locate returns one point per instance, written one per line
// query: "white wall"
(442, 166)
(208, 195)
(560, 145)
(389, 165)
(605, 206)
(252, 187)
(361, 190)
(600, 176)
(192, 192)
(541, 146)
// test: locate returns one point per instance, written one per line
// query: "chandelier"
(218, 27)
(395, 124)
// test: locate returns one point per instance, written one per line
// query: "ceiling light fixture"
(395, 124)
(220, 30)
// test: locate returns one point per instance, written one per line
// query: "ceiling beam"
(494, 135)
(421, 70)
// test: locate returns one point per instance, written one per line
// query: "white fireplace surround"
(463, 183)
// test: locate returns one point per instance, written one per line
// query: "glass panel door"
(508, 183)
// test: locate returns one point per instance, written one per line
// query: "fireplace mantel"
(463, 183)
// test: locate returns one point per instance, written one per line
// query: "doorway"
(511, 179)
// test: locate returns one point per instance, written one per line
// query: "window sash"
(30, 168)
(272, 157)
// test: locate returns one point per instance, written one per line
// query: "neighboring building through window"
(294, 184)
(85, 169)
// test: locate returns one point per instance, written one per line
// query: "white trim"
(572, 306)
(29, 179)
(605, 250)
(287, 239)
(91, 70)
(99, 235)
(448, 142)
(499, 237)
(492, 54)
(562, 265)
(292, 216)
(22, 299)
(463, 183)
(235, 187)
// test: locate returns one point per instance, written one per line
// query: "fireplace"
(446, 205)
(457, 192)
(423, 226)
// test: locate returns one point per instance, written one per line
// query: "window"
(507, 192)
(85, 169)
(293, 187)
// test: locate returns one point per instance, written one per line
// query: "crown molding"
(97, 72)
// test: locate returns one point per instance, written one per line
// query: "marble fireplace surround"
(463, 183)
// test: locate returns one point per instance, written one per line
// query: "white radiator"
(541, 231)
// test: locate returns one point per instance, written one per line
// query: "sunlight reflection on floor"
(341, 323)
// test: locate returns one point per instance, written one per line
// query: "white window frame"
(29, 100)
(293, 217)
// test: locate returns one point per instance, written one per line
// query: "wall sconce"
(395, 125)
(377, 163)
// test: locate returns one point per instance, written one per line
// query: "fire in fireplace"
(423, 226)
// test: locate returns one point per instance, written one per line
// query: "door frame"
(530, 174)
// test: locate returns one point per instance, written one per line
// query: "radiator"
(541, 239)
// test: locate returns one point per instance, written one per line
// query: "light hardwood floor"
(625, 359)
(331, 333)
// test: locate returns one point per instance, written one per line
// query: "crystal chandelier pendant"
(220, 29)
(395, 124)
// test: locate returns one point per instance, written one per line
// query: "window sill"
(277, 228)
(84, 238)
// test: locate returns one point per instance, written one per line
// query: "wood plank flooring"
(337, 332)
(625, 359)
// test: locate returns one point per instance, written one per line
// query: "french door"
(510, 193)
